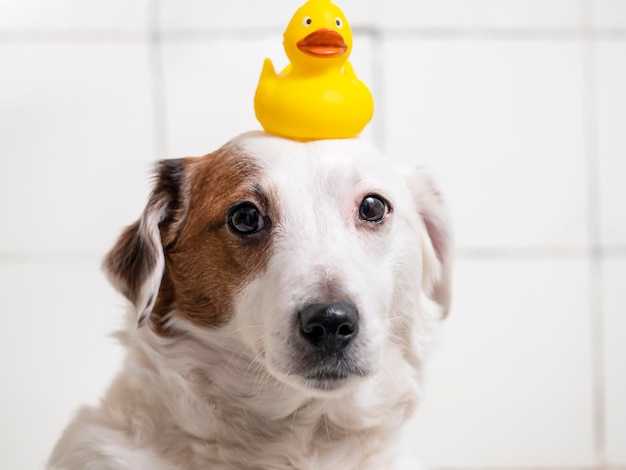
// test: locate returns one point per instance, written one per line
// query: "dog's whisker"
(235, 362)
(253, 361)
(256, 363)
(393, 377)
(241, 351)
(397, 341)
(243, 328)
(259, 371)
(264, 380)
(262, 377)
(252, 364)
(293, 418)
(326, 426)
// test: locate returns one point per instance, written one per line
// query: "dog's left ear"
(136, 263)
(437, 247)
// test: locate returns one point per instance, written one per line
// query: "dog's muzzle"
(328, 353)
(329, 329)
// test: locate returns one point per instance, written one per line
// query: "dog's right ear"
(437, 249)
(136, 262)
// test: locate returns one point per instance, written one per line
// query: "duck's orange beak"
(323, 43)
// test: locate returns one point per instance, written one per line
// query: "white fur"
(224, 398)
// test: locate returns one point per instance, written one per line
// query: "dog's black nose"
(329, 328)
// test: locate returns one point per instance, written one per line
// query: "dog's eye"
(245, 219)
(373, 208)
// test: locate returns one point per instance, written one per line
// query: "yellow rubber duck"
(317, 96)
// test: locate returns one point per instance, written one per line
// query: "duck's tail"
(348, 71)
(268, 70)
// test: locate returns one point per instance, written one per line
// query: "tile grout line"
(70, 36)
(35, 257)
(495, 33)
(238, 32)
(590, 105)
(157, 78)
(378, 85)
(433, 33)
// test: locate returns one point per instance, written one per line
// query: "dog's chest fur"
(187, 420)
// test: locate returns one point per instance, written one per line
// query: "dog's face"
(311, 259)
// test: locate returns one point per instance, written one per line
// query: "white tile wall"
(209, 88)
(512, 104)
(77, 130)
(496, 14)
(511, 381)
(611, 135)
(614, 302)
(501, 124)
(73, 15)
(54, 354)
(200, 15)
(609, 14)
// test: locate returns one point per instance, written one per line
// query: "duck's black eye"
(339, 23)
(373, 209)
(245, 219)
(307, 20)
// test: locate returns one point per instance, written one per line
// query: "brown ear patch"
(131, 261)
(172, 183)
(207, 263)
(135, 262)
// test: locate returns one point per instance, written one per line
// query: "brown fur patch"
(134, 256)
(131, 260)
(206, 262)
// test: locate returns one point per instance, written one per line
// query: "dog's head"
(312, 259)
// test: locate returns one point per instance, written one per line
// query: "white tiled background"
(517, 106)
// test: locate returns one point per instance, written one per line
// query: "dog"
(283, 298)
